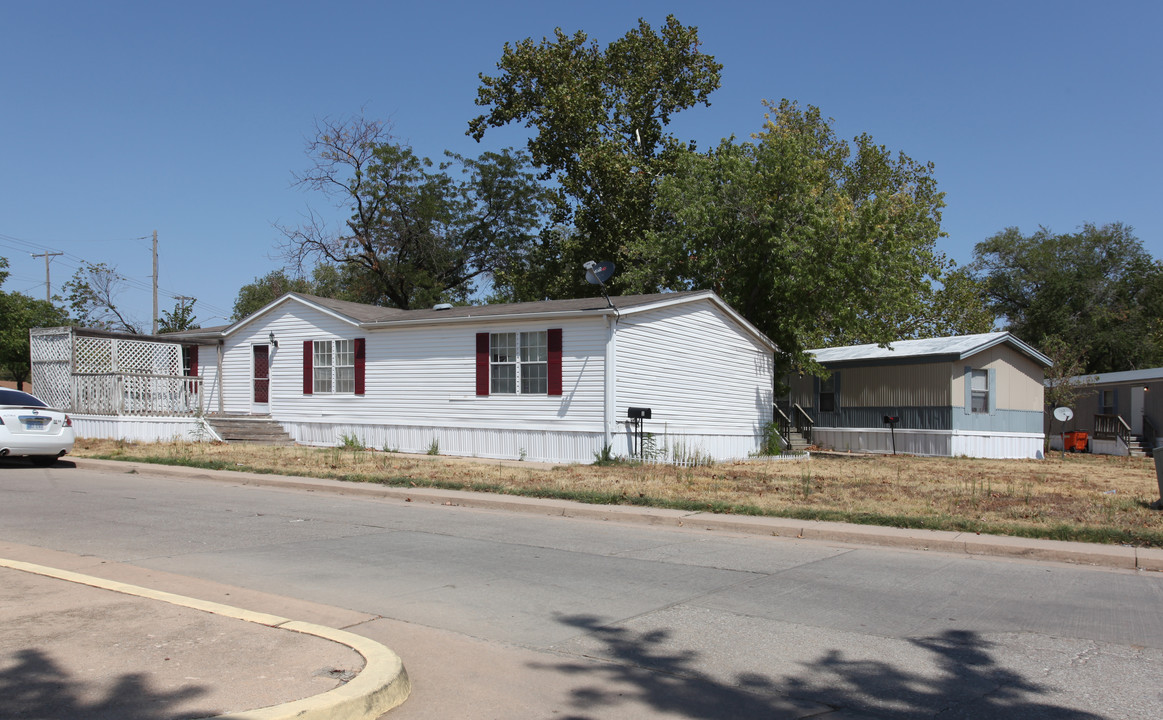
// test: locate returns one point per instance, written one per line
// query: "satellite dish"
(598, 273)
(1063, 414)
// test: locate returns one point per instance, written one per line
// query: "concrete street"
(520, 615)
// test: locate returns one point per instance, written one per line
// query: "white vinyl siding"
(695, 369)
(421, 375)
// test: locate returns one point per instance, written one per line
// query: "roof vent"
(442, 306)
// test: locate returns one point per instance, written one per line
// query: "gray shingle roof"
(373, 314)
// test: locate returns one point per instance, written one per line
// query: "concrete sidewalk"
(78, 645)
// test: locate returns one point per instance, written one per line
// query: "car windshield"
(15, 397)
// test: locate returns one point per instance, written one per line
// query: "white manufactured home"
(972, 395)
(550, 381)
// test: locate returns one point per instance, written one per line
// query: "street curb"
(1112, 556)
(382, 684)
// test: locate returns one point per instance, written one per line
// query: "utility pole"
(154, 282)
(47, 286)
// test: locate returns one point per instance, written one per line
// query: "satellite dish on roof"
(1063, 414)
(597, 273)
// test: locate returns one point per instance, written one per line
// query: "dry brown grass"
(1081, 497)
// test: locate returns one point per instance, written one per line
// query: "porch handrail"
(804, 422)
(1111, 427)
(782, 424)
(135, 394)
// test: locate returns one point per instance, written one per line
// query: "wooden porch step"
(252, 429)
(798, 443)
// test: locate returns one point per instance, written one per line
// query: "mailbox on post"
(637, 415)
(891, 421)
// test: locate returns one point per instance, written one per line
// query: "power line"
(77, 262)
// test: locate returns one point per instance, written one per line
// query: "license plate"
(35, 423)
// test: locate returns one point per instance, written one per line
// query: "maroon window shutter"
(308, 367)
(359, 365)
(554, 339)
(482, 363)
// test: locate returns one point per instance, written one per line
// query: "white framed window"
(519, 363)
(1106, 402)
(333, 363)
(828, 394)
(979, 391)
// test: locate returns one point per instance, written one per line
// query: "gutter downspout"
(611, 368)
(218, 380)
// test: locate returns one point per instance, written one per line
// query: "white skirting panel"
(940, 443)
(142, 429)
(687, 448)
(999, 445)
(511, 444)
(534, 445)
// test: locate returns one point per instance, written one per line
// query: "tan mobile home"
(973, 395)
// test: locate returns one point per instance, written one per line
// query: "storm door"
(262, 379)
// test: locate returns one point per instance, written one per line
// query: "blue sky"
(121, 118)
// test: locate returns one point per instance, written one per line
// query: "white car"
(30, 428)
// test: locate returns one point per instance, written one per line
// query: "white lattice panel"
(50, 351)
(103, 355)
(50, 344)
(94, 355)
(138, 356)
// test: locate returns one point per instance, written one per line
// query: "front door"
(1136, 412)
(262, 380)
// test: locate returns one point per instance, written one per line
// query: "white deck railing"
(135, 394)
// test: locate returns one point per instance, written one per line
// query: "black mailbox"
(891, 419)
(638, 413)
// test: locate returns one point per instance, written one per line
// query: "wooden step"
(257, 430)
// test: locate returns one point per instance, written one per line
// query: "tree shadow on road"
(644, 668)
(33, 686)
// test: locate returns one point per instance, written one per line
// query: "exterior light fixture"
(271, 337)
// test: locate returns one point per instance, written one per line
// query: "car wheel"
(43, 460)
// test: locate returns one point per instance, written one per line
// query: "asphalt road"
(515, 615)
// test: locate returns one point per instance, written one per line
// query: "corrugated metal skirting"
(512, 444)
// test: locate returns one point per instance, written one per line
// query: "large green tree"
(599, 120)
(254, 296)
(416, 233)
(1096, 290)
(18, 314)
(329, 281)
(815, 240)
